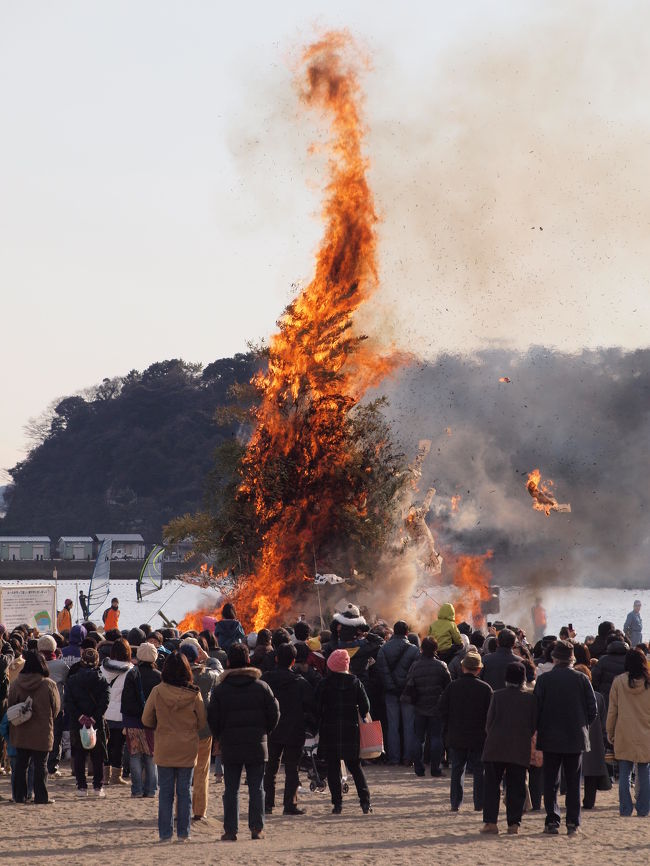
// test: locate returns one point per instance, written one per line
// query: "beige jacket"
(628, 720)
(177, 713)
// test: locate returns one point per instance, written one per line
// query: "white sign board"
(31, 604)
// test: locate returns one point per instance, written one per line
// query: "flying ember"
(543, 499)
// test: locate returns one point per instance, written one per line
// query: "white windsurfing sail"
(100, 581)
(151, 576)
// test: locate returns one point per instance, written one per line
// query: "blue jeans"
(396, 710)
(431, 727)
(460, 758)
(625, 807)
(255, 781)
(168, 779)
(143, 764)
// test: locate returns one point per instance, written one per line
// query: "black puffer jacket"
(463, 707)
(427, 679)
(87, 693)
(394, 661)
(242, 713)
(297, 706)
(340, 700)
(360, 650)
(608, 668)
(138, 684)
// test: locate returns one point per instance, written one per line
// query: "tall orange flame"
(472, 576)
(319, 366)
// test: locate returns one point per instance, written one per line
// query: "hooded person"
(206, 678)
(58, 671)
(446, 633)
(599, 646)
(341, 701)
(87, 695)
(175, 710)
(140, 681)
(610, 664)
(34, 738)
(72, 652)
(242, 713)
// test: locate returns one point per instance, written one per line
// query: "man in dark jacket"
(87, 694)
(463, 708)
(496, 664)
(609, 666)
(297, 712)
(393, 663)
(242, 713)
(427, 679)
(566, 706)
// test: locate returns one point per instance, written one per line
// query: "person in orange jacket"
(64, 618)
(111, 616)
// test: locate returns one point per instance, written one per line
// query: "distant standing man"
(64, 619)
(111, 616)
(633, 627)
(538, 615)
(566, 707)
(83, 603)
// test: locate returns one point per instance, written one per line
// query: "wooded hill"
(127, 455)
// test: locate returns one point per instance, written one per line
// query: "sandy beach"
(411, 823)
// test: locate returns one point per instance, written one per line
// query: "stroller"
(316, 781)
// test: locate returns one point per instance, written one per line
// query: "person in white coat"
(114, 671)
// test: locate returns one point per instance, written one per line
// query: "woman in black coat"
(340, 700)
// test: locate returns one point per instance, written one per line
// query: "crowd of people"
(158, 711)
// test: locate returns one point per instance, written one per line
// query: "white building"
(125, 545)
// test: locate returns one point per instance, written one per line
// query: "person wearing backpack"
(138, 685)
(34, 737)
(394, 660)
(87, 694)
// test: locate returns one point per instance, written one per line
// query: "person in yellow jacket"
(446, 633)
(111, 615)
(64, 619)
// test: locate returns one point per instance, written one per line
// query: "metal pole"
(55, 575)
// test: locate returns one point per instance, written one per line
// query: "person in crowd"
(12, 754)
(214, 650)
(538, 616)
(114, 671)
(446, 633)
(628, 729)
(87, 695)
(139, 682)
(463, 708)
(111, 616)
(34, 738)
(72, 652)
(566, 707)
(341, 701)
(58, 672)
(511, 723)
(263, 650)
(303, 666)
(610, 664)
(496, 664)
(633, 626)
(64, 618)
(594, 769)
(295, 698)
(228, 630)
(302, 634)
(394, 660)
(582, 654)
(206, 679)
(454, 666)
(175, 711)
(599, 645)
(242, 713)
(427, 678)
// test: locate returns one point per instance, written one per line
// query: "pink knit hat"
(339, 662)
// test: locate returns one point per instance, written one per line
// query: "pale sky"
(157, 199)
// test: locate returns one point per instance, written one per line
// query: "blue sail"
(100, 581)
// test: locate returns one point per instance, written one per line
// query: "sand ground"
(411, 823)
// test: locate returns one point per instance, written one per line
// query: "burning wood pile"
(541, 491)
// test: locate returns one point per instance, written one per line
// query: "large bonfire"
(300, 472)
